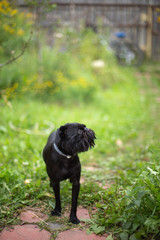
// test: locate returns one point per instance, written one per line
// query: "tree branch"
(18, 56)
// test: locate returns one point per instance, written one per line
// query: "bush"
(135, 208)
(14, 29)
(71, 70)
(141, 213)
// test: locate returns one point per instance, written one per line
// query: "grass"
(124, 116)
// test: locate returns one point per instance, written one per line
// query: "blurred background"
(139, 19)
(59, 45)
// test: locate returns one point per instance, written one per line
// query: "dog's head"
(75, 138)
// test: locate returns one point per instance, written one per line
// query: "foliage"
(14, 29)
(59, 71)
(135, 208)
(141, 213)
(51, 81)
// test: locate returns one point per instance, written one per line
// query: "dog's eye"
(80, 131)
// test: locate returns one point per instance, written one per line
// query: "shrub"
(14, 30)
(71, 70)
(135, 208)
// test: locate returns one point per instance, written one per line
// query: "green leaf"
(86, 220)
(6, 186)
(127, 225)
(133, 237)
(141, 194)
(129, 206)
(135, 226)
(3, 129)
(124, 236)
(98, 229)
(137, 202)
(109, 237)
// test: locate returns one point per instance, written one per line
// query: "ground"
(33, 225)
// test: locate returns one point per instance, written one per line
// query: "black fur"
(71, 139)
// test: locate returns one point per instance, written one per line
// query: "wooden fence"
(139, 19)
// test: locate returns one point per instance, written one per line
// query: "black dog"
(62, 161)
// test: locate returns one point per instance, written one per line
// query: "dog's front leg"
(75, 192)
(56, 189)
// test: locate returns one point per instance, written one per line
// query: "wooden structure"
(139, 19)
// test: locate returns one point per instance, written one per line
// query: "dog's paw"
(74, 220)
(55, 212)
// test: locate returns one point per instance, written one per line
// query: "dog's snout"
(86, 128)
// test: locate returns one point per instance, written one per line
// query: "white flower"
(98, 63)
(25, 163)
(27, 181)
(58, 35)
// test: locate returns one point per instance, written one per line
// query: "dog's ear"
(62, 130)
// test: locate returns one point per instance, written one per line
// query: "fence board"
(131, 16)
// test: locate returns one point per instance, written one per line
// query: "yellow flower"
(10, 91)
(4, 7)
(20, 32)
(7, 28)
(82, 82)
(5, 3)
(29, 15)
(49, 195)
(13, 12)
(158, 19)
(12, 31)
(15, 85)
(49, 83)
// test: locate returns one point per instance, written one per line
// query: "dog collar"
(62, 154)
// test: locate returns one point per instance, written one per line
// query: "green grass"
(125, 117)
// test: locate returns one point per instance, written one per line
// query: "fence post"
(149, 32)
